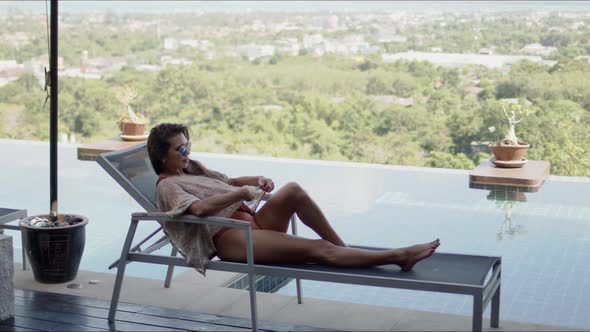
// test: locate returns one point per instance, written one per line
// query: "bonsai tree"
(127, 96)
(514, 114)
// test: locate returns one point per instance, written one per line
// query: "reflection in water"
(507, 200)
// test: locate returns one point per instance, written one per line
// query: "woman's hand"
(248, 192)
(265, 184)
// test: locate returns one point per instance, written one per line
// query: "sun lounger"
(476, 276)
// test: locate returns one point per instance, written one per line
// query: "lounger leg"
(251, 280)
(297, 280)
(170, 269)
(121, 270)
(495, 317)
(477, 324)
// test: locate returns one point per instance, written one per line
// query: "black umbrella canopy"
(53, 110)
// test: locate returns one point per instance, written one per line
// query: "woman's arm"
(261, 182)
(213, 204)
(245, 181)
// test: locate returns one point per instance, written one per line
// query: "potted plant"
(54, 242)
(509, 151)
(131, 124)
(54, 246)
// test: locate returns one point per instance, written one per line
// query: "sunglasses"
(184, 149)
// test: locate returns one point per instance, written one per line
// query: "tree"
(447, 160)
(465, 123)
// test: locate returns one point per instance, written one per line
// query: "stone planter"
(132, 129)
(510, 156)
(54, 252)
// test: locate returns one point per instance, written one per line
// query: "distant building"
(44, 61)
(460, 59)
(101, 65)
(94, 68)
(76, 72)
(17, 39)
(170, 44)
(257, 25)
(472, 91)
(268, 107)
(487, 51)
(189, 42)
(332, 22)
(577, 25)
(538, 49)
(337, 100)
(7, 79)
(150, 68)
(84, 62)
(289, 46)
(254, 51)
(168, 60)
(309, 41)
(210, 55)
(8, 64)
(392, 39)
(202, 45)
(389, 100)
(477, 147)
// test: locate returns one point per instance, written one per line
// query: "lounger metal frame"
(482, 294)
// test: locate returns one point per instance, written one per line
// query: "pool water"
(543, 237)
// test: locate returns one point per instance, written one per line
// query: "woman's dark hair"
(158, 145)
(158, 142)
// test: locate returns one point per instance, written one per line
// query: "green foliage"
(448, 160)
(330, 107)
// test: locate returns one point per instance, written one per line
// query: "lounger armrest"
(188, 219)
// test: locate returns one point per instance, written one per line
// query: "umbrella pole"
(53, 111)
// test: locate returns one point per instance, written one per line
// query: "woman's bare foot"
(418, 252)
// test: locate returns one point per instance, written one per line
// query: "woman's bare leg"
(271, 247)
(290, 199)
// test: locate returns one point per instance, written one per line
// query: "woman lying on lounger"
(186, 186)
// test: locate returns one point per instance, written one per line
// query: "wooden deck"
(40, 311)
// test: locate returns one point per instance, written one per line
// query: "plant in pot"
(131, 124)
(509, 152)
(54, 245)
(54, 242)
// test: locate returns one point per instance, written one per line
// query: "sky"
(136, 6)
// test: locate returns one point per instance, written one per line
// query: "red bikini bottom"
(243, 213)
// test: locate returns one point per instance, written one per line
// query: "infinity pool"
(543, 237)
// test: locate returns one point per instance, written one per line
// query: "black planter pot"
(54, 253)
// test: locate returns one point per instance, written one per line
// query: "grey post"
(6, 278)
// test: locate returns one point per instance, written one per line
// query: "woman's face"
(177, 156)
